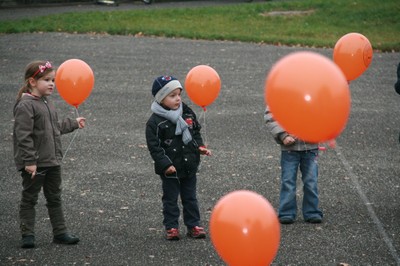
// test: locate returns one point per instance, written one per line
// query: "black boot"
(65, 239)
(28, 241)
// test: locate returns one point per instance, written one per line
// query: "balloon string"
(69, 146)
(205, 128)
(75, 133)
(76, 110)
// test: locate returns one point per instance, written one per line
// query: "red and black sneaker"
(197, 232)
(172, 234)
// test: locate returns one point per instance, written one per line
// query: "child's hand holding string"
(81, 122)
(289, 140)
(170, 170)
(204, 151)
(31, 169)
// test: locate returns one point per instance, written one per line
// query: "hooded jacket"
(168, 149)
(37, 132)
(280, 134)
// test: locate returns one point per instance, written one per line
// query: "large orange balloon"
(74, 81)
(308, 96)
(245, 229)
(202, 85)
(353, 54)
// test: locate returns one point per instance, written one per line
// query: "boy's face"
(173, 99)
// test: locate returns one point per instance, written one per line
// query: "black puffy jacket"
(168, 149)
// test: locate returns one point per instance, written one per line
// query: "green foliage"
(316, 23)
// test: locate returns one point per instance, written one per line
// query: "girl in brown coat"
(37, 151)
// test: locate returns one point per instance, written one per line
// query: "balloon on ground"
(309, 96)
(353, 54)
(74, 81)
(245, 229)
(202, 85)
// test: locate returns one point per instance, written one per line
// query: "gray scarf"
(175, 116)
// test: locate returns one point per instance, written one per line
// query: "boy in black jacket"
(175, 144)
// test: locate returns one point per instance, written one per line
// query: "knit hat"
(163, 85)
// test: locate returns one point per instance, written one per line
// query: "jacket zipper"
(52, 126)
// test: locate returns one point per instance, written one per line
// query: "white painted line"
(366, 202)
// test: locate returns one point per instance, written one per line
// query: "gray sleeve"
(273, 127)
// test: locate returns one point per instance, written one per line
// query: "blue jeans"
(307, 162)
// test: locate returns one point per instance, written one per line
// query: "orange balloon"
(202, 85)
(353, 54)
(245, 229)
(74, 81)
(308, 96)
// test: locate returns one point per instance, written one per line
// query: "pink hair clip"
(42, 68)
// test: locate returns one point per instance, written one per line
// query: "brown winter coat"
(37, 132)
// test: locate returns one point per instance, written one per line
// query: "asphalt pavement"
(112, 198)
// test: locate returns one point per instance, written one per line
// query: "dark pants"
(50, 179)
(186, 188)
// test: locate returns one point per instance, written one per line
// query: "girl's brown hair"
(36, 70)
